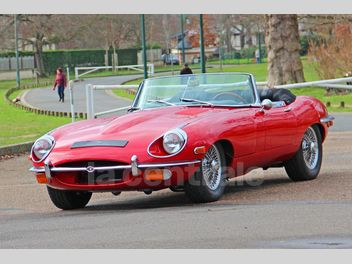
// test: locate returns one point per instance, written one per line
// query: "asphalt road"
(261, 210)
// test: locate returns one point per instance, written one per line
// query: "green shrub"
(93, 57)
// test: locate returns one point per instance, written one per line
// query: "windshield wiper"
(195, 101)
(161, 101)
(131, 109)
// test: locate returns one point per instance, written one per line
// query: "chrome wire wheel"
(211, 168)
(310, 148)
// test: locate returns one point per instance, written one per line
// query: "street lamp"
(183, 39)
(144, 47)
(18, 79)
(202, 57)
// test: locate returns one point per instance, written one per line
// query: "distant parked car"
(169, 59)
(196, 59)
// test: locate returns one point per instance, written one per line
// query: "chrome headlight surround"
(174, 141)
(182, 138)
(42, 148)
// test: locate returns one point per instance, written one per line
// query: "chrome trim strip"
(255, 90)
(327, 119)
(134, 165)
(47, 170)
(121, 167)
(90, 168)
(37, 169)
(157, 165)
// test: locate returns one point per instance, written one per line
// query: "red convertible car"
(188, 133)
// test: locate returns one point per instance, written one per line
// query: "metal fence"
(8, 64)
(90, 99)
(88, 70)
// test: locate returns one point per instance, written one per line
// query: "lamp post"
(202, 57)
(18, 79)
(183, 39)
(144, 47)
(260, 47)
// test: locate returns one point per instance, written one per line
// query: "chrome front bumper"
(327, 119)
(134, 167)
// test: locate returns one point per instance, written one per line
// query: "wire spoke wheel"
(306, 163)
(310, 148)
(208, 183)
(211, 168)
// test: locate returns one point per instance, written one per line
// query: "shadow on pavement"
(170, 199)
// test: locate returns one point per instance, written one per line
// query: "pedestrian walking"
(60, 84)
(186, 70)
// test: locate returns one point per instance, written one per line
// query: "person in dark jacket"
(60, 83)
(186, 70)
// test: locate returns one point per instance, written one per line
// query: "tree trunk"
(228, 36)
(282, 38)
(38, 55)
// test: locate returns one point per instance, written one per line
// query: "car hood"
(141, 126)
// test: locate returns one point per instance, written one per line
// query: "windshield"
(198, 89)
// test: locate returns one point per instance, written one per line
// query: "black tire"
(198, 190)
(297, 168)
(68, 200)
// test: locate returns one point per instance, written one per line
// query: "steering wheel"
(230, 94)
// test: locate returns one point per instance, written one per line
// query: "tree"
(282, 40)
(41, 30)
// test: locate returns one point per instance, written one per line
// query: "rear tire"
(68, 200)
(208, 183)
(306, 163)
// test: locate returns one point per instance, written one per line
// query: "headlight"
(42, 148)
(174, 141)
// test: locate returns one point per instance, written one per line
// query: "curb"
(16, 149)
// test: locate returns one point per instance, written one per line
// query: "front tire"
(208, 183)
(68, 200)
(306, 163)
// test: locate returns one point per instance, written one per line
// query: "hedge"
(13, 54)
(75, 58)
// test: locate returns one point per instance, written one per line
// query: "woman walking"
(60, 83)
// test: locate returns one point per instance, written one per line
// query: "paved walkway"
(47, 99)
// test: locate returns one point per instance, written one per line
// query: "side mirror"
(267, 104)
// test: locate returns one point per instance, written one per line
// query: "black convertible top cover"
(274, 94)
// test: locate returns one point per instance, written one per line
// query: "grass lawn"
(235, 61)
(260, 73)
(18, 126)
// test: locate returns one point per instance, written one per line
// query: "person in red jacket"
(60, 83)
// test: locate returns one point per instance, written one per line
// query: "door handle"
(288, 109)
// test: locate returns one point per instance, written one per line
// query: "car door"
(280, 125)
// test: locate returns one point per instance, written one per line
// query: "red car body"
(260, 139)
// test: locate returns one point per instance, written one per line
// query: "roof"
(188, 44)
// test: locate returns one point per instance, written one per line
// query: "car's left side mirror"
(267, 104)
